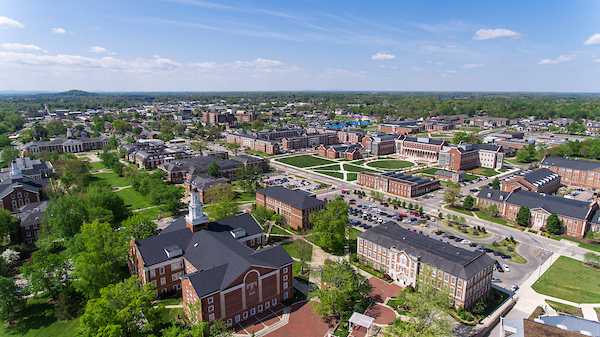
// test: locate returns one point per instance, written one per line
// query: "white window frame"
(245, 315)
(209, 300)
(285, 295)
(161, 270)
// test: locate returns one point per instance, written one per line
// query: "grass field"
(351, 176)
(304, 161)
(332, 174)
(567, 279)
(484, 171)
(485, 216)
(279, 230)
(37, 320)
(516, 257)
(568, 309)
(354, 168)
(289, 247)
(111, 178)
(335, 167)
(459, 210)
(469, 177)
(97, 166)
(133, 199)
(152, 213)
(390, 164)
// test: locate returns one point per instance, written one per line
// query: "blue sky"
(194, 45)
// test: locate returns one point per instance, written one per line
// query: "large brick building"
(350, 136)
(215, 264)
(18, 191)
(577, 216)
(401, 127)
(34, 169)
(66, 144)
(574, 171)
(309, 140)
(181, 170)
(254, 143)
(422, 147)
(411, 259)
(350, 152)
(30, 217)
(295, 206)
(539, 180)
(467, 156)
(405, 185)
(379, 144)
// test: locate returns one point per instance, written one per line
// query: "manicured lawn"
(567, 279)
(245, 197)
(97, 166)
(460, 210)
(304, 161)
(335, 167)
(469, 177)
(390, 164)
(354, 168)
(152, 213)
(112, 178)
(279, 230)
(38, 320)
(516, 257)
(332, 174)
(133, 199)
(351, 176)
(568, 309)
(470, 234)
(296, 271)
(291, 249)
(486, 216)
(484, 171)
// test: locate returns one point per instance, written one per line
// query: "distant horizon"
(260, 46)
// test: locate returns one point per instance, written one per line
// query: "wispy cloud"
(58, 31)
(488, 34)
(334, 71)
(594, 39)
(383, 56)
(472, 66)
(101, 50)
(28, 48)
(6, 23)
(560, 59)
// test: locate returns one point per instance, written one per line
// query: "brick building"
(202, 183)
(66, 144)
(181, 170)
(150, 159)
(405, 185)
(467, 156)
(455, 177)
(309, 140)
(350, 152)
(30, 217)
(295, 206)
(422, 147)
(350, 136)
(254, 143)
(410, 258)
(577, 216)
(539, 180)
(18, 191)
(402, 127)
(490, 122)
(574, 171)
(34, 169)
(379, 144)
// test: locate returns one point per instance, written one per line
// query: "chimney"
(196, 219)
(15, 173)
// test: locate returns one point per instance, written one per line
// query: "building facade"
(408, 186)
(467, 156)
(66, 144)
(574, 171)
(540, 180)
(379, 144)
(295, 206)
(422, 147)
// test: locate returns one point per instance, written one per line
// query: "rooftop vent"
(587, 333)
(238, 233)
(560, 326)
(173, 251)
(537, 320)
(196, 244)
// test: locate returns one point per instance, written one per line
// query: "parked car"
(514, 288)
(504, 256)
(472, 244)
(496, 280)
(465, 242)
(506, 267)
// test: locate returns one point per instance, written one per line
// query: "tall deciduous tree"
(46, 273)
(249, 177)
(123, 309)
(223, 208)
(553, 224)
(452, 195)
(8, 154)
(139, 226)
(341, 289)
(8, 223)
(523, 216)
(66, 215)
(213, 169)
(10, 299)
(496, 184)
(217, 192)
(468, 202)
(330, 225)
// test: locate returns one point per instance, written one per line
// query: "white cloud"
(333, 71)
(257, 67)
(383, 56)
(439, 64)
(451, 71)
(594, 39)
(487, 34)
(472, 66)
(6, 23)
(382, 66)
(560, 59)
(27, 48)
(58, 31)
(101, 50)
(597, 60)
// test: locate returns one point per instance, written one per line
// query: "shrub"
(521, 228)
(495, 244)
(510, 249)
(464, 230)
(354, 257)
(475, 232)
(387, 277)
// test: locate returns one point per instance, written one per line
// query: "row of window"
(251, 312)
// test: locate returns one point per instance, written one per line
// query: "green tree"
(66, 215)
(523, 216)
(249, 177)
(496, 184)
(213, 169)
(101, 260)
(523, 155)
(8, 224)
(8, 154)
(469, 202)
(139, 226)
(224, 208)
(104, 205)
(10, 299)
(553, 224)
(341, 289)
(303, 251)
(329, 229)
(46, 273)
(258, 124)
(219, 191)
(123, 309)
(493, 210)
(452, 195)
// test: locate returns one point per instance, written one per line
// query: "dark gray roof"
(573, 323)
(297, 199)
(456, 261)
(198, 164)
(443, 173)
(424, 140)
(566, 207)
(245, 221)
(204, 182)
(488, 147)
(540, 177)
(571, 163)
(246, 159)
(494, 195)
(28, 184)
(31, 214)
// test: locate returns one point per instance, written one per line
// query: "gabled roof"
(297, 199)
(573, 323)
(540, 177)
(424, 140)
(27, 184)
(571, 163)
(566, 207)
(456, 261)
(494, 195)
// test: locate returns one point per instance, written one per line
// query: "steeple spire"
(196, 219)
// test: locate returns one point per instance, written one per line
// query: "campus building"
(411, 259)
(577, 216)
(422, 147)
(295, 206)
(574, 171)
(405, 185)
(215, 264)
(467, 156)
(34, 169)
(455, 177)
(181, 170)
(30, 217)
(350, 152)
(254, 143)
(65, 144)
(540, 180)
(18, 191)
(379, 144)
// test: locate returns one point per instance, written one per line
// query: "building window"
(152, 272)
(28, 234)
(267, 305)
(162, 270)
(274, 302)
(211, 308)
(453, 280)
(285, 285)
(446, 278)
(229, 322)
(153, 283)
(285, 277)
(237, 318)
(460, 282)
(285, 295)
(19, 195)
(459, 294)
(245, 315)
(210, 300)
(163, 280)
(258, 239)
(285, 270)
(260, 308)
(252, 311)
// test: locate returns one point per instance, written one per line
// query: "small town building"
(405, 185)
(540, 180)
(295, 205)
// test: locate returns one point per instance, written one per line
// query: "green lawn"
(245, 196)
(486, 216)
(335, 167)
(304, 161)
(459, 210)
(279, 230)
(484, 171)
(133, 199)
(469, 177)
(568, 309)
(38, 320)
(354, 168)
(97, 166)
(152, 213)
(352, 176)
(516, 257)
(470, 234)
(111, 178)
(290, 248)
(390, 164)
(332, 174)
(567, 279)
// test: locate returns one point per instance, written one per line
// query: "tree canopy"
(329, 225)
(523, 216)
(554, 224)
